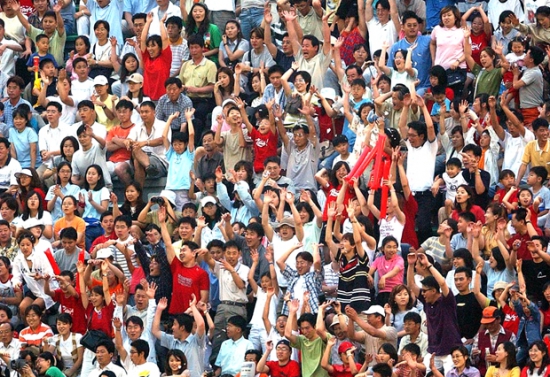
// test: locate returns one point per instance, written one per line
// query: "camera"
(157, 200)
(18, 364)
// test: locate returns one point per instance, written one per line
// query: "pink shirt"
(383, 266)
(450, 46)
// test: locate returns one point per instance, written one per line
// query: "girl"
(402, 71)
(233, 45)
(125, 69)
(464, 202)
(394, 222)
(135, 95)
(133, 202)
(100, 60)
(31, 266)
(506, 359)
(387, 354)
(36, 331)
(525, 200)
(176, 363)
(334, 185)
(34, 211)
(515, 58)
(104, 104)
(93, 200)
(268, 282)
(198, 22)
(359, 124)
(28, 180)
(544, 308)
(207, 224)
(10, 295)
(57, 192)
(400, 302)
(438, 76)
(505, 33)
(538, 362)
(462, 364)
(99, 308)
(66, 345)
(81, 50)
(225, 86)
(242, 208)
(390, 269)
(68, 146)
(23, 139)
(70, 218)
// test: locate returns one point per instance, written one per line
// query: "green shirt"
(487, 81)
(312, 353)
(212, 40)
(54, 372)
(57, 44)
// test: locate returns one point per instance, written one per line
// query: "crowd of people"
(272, 246)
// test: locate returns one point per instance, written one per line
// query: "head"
(460, 357)
(302, 81)
(464, 199)
(400, 297)
(88, 116)
(236, 327)
(176, 362)
(45, 361)
(310, 46)
(399, 92)
(506, 355)
(306, 325)
(417, 133)
(463, 258)
(104, 352)
(412, 323)
(15, 86)
(26, 241)
(64, 323)
(449, 17)
(101, 30)
(430, 289)
(33, 315)
(438, 76)
(542, 15)
(386, 354)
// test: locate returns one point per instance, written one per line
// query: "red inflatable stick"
(366, 157)
(365, 154)
(385, 188)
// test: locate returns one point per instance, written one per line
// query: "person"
(66, 345)
(72, 219)
(92, 152)
(9, 345)
(281, 367)
(67, 256)
(412, 328)
(104, 353)
(135, 362)
(63, 187)
(462, 364)
(233, 350)
(174, 101)
(538, 359)
(506, 359)
(176, 363)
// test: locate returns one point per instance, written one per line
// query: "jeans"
(92, 232)
(426, 202)
(250, 18)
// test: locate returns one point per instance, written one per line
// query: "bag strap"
(74, 352)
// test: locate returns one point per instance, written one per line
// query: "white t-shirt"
(421, 166)
(147, 369)
(68, 113)
(513, 150)
(452, 183)
(261, 299)
(379, 33)
(66, 347)
(82, 90)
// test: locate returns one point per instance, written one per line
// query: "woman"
(133, 202)
(390, 269)
(100, 61)
(302, 83)
(198, 22)
(28, 180)
(225, 86)
(464, 202)
(10, 295)
(66, 345)
(156, 59)
(538, 32)
(47, 365)
(70, 218)
(57, 192)
(68, 146)
(207, 224)
(494, 213)
(530, 321)
(34, 211)
(538, 362)
(506, 359)
(334, 185)
(400, 302)
(545, 308)
(447, 47)
(462, 365)
(394, 222)
(36, 331)
(30, 266)
(104, 103)
(9, 211)
(176, 363)
(233, 45)
(93, 200)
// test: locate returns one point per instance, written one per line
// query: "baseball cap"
(207, 199)
(375, 309)
(136, 78)
(26, 172)
(490, 313)
(286, 221)
(336, 320)
(344, 346)
(283, 342)
(100, 80)
(104, 253)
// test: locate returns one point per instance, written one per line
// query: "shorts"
(159, 165)
(470, 75)
(31, 295)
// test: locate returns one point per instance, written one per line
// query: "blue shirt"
(437, 108)
(178, 169)
(112, 13)
(192, 347)
(21, 142)
(9, 109)
(433, 8)
(214, 295)
(231, 356)
(30, 61)
(69, 189)
(421, 58)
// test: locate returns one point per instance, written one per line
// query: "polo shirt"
(228, 289)
(157, 129)
(198, 75)
(379, 33)
(57, 43)
(186, 281)
(209, 164)
(166, 107)
(311, 23)
(48, 140)
(535, 156)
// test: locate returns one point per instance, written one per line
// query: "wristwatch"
(104, 107)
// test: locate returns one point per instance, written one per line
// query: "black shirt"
(481, 200)
(469, 314)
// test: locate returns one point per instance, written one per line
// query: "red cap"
(344, 346)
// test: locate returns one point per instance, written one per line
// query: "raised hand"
(163, 304)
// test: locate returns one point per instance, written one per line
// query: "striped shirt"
(34, 337)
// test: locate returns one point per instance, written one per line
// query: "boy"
(208, 189)
(452, 179)
(348, 368)
(48, 72)
(42, 46)
(180, 156)
(460, 239)
(283, 366)
(341, 145)
(440, 100)
(119, 160)
(83, 87)
(536, 178)
(67, 257)
(410, 366)
(355, 95)
(506, 180)
(124, 245)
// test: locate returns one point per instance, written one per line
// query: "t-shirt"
(451, 184)
(95, 155)
(54, 372)
(68, 261)
(469, 314)
(384, 266)
(312, 351)
(536, 275)
(73, 306)
(147, 369)
(186, 281)
(21, 142)
(487, 82)
(178, 165)
(482, 199)
(66, 347)
(121, 154)
(101, 320)
(265, 145)
(34, 337)
(155, 72)
(291, 369)
(77, 223)
(530, 94)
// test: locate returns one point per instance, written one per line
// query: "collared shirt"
(421, 58)
(48, 140)
(172, 10)
(12, 350)
(193, 348)
(537, 156)
(312, 282)
(235, 45)
(421, 341)
(180, 53)
(228, 289)
(112, 13)
(198, 75)
(280, 98)
(311, 23)
(9, 109)
(118, 371)
(492, 338)
(10, 250)
(166, 107)
(209, 164)
(140, 134)
(231, 355)
(7, 60)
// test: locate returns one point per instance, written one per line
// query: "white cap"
(101, 80)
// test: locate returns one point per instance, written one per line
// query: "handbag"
(455, 76)
(92, 338)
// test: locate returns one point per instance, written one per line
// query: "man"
(50, 135)
(123, 246)
(174, 101)
(120, 157)
(180, 51)
(275, 91)
(87, 114)
(273, 166)
(89, 154)
(15, 86)
(440, 307)
(530, 84)
(198, 76)
(524, 232)
(468, 310)
(232, 351)
(382, 27)
(250, 242)
(104, 355)
(285, 55)
(207, 158)
(391, 106)
(339, 323)
(107, 222)
(412, 324)
(537, 152)
(164, 8)
(283, 366)
(10, 47)
(309, 342)
(310, 16)
(135, 21)
(9, 348)
(308, 54)
(188, 278)
(68, 255)
(421, 57)
(489, 337)
(536, 271)
(374, 330)
(183, 338)
(135, 362)
(147, 145)
(8, 244)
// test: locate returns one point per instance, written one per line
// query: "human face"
(68, 206)
(458, 262)
(195, 51)
(307, 330)
(198, 14)
(256, 42)
(273, 168)
(81, 70)
(283, 353)
(178, 146)
(265, 283)
(153, 49)
(26, 246)
(302, 266)
(42, 365)
(382, 14)
(536, 355)
(134, 330)
(486, 60)
(542, 134)
(19, 122)
(6, 334)
(101, 33)
(174, 363)
(147, 114)
(402, 298)
(33, 319)
(448, 19)
(396, 102)
(80, 46)
(33, 202)
(223, 78)
(131, 194)
(462, 282)
(108, 224)
(382, 357)
(275, 79)
(209, 209)
(5, 235)
(477, 25)
(52, 114)
(103, 356)
(452, 171)
(506, 26)
(24, 180)
(303, 7)
(256, 84)
(414, 138)
(357, 91)
(390, 250)
(300, 138)
(232, 256)
(42, 45)
(459, 360)
(185, 230)
(92, 177)
(63, 328)
(286, 232)
(287, 46)
(500, 354)
(429, 294)
(308, 50)
(462, 195)
(217, 253)
(410, 27)
(68, 244)
(231, 30)
(517, 48)
(101, 90)
(173, 31)
(525, 198)
(399, 61)
(300, 83)
(121, 230)
(124, 115)
(208, 143)
(234, 117)
(384, 87)
(411, 327)
(543, 21)
(87, 115)
(187, 255)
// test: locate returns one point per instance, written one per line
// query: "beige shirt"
(312, 24)
(198, 75)
(228, 289)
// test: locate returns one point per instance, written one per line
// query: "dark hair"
(17, 80)
(139, 16)
(536, 52)
(65, 318)
(195, 39)
(73, 140)
(254, 352)
(412, 348)
(231, 244)
(384, 370)
(273, 69)
(229, 73)
(57, 105)
(545, 359)
(34, 184)
(448, 9)
(26, 234)
(5, 141)
(238, 321)
(389, 349)
(307, 317)
(154, 40)
(140, 203)
(79, 59)
(108, 344)
(464, 351)
(22, 112)
(305, 76)
(48, 356)
(256, 228)
(305, 255)
(420, 128)
(33, 308)
(454, 161)
(510, 349)
(430, 282)
(401, 90)
(124, 73)
(469, 202)
(407, 15)
(438, 89)
(12, 204)
(124, 219)
(466, 256)
(465, 270)
(174, 20)
(75, 202)
(101, 181)
(305, 206)
(186, 321)
(26, 211)
(105, 25)
(178, 354)
(439, 72)
(191, 24)
(413, 317)
(249, 168)
(398, 289)
(141, 346)
(45, 61)
(333, 177)
(69, 233)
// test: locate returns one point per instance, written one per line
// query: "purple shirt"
(443, 332)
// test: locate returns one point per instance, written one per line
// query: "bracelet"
(104, 275)
(81, 204)
(270, 263)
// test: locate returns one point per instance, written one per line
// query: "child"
(208, 189)
(402, 71)
(180, 157)
(81, 50)
(514, 57)
(506, 178)
(42, 46)
(438, 76)
(390, 269)
(341, 146)
(525, 200)
(440, 100)
(24, 140)
(410, 367)
(346, 350)
(82, 87)
(232, 143)
(536, 178)
(505, 32)
(48, 82)
(394, 222)
(460, 239)
(452, 178)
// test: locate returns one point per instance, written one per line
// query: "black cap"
(283, 341)
(262, 111)
(339, 139)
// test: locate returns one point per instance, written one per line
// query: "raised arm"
(170, 252)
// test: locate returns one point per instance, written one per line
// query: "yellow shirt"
(198, 75)
(102, 117)
(536, 156)
(493, 372)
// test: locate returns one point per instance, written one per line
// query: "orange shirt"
(77, 223)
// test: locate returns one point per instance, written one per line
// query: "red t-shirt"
(121, 154)
(332, 196)
(410, 209)
(511, 319)
(478, 42)
(342, 371)
(185, 282)
(264, 146)
(103, 319)
(73, 306)
(291, 369)
(155, 73)
(102, 239)
(523, 253)
(476, 210)
(501, 193)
